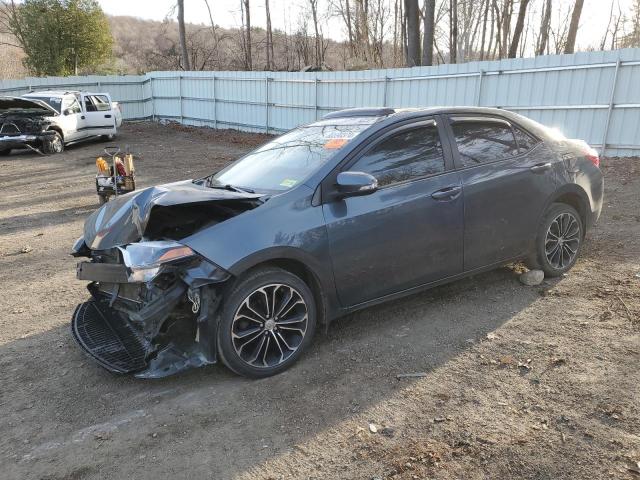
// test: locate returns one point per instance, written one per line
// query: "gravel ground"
(517, 382)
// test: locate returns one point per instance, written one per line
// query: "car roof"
(51, 93)
(390, 111)
(391, 115)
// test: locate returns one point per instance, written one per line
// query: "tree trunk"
(573, 27)
(453, 31)
(513, 49)
(413, 32)
(429, 27)
(186, 65)
(318, 48)
(544, 29)
(484, 28)
(270, 57)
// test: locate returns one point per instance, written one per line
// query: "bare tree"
(545, 26)
(573, 27)
(453, 31)
(429, 31)
(245, 11)
(269, 40)
(318, 39)
(517, 32)
(411, 11)
(485, 18)
(183, 37)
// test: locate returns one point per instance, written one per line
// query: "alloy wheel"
(562, 240)
(269, 325)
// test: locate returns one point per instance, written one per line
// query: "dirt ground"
(517, 382)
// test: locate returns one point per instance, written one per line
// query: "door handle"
(107, 116)
(447, 193)
(541, 167)
(82, 117)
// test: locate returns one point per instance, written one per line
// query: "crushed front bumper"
(151, 329)
(20, 141)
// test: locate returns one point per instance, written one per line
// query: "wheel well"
(57, 129)
(307, 275)
(577, 202)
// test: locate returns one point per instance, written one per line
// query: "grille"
(108, 338)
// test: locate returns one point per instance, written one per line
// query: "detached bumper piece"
(108, 338)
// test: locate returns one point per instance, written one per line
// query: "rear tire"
(5, 153)
(267, 320)
(559, 240)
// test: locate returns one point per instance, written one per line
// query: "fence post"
(215, 105)
(384, 98)
(153, 101)
(610, 109)
(266, 104)
(479, 89)
(315, 98)
(180, 96)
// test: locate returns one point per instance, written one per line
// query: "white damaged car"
(80, 115)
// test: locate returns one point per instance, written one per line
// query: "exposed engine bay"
(154, 300)
(23, 123)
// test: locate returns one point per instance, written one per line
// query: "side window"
(482, 142)
(525, 141)
(404, 156)
(101, 102)
(72, 104)
(88, 105)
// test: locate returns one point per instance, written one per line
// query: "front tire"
(268, 319)
(54, 145)
(559, 240)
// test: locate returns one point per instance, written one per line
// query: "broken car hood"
(25, 105)
(124, 219)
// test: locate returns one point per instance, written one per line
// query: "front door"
(507, 176)
(408, 232)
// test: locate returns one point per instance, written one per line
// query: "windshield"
(53, 102)
(291, 158)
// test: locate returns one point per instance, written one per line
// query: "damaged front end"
(154, 300)
(152, 308)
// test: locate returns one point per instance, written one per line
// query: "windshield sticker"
(336, 143)
(288, 182)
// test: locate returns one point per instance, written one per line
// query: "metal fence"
(590, 95)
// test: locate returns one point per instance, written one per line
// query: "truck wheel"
(4, 153)
(54, 145)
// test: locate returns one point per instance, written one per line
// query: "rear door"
(507, 176)
(100, 119)
(407, 233)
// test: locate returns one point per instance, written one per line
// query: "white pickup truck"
(80, 114)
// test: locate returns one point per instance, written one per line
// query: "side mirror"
(352, 184)
(67, 111)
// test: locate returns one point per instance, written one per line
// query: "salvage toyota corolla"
(363, 206)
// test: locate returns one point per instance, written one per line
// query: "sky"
(226, 13)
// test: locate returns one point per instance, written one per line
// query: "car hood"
(175, 210)
(25, 105)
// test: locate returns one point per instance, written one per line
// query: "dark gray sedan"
(361, 207)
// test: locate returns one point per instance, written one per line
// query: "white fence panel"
(590, 95)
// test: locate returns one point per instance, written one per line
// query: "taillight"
(595, 159)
